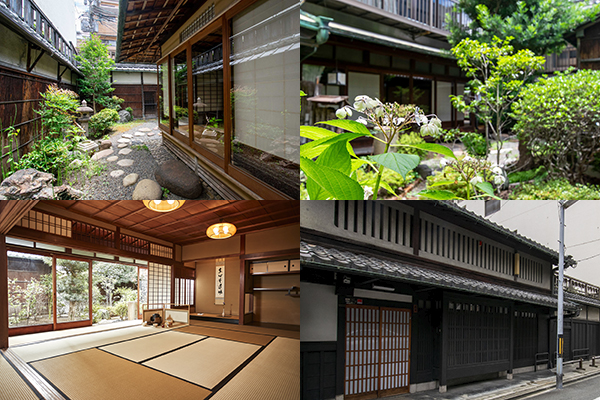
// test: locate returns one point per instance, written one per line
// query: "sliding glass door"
(72, 288)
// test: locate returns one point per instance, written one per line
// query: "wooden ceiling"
(188, 224)
(145, 24)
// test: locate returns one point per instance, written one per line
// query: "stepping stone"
(122, 145)
(124, 141)
(105, 144)
(127, 135)
(124, 152)
(151, 133)
(127, 162)
(102, 154)
(147, 189)
(135, 142)
(112, 158)
(130, 179)
(140, 134)
(117, 173)
(179, 179)
(144, 129)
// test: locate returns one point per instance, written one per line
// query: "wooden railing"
(31, 15)
(428, 12)
(573, 285)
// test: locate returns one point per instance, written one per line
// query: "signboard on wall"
(220, 281)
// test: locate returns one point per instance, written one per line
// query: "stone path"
(134, 156)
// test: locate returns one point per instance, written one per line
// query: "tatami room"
(130, 299)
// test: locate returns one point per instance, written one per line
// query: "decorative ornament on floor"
(163, 205)
(222, 230)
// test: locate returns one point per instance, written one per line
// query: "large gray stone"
(179, 179)
(144, 129)
(124, 116)
(31, 184)
(147, 189)
(117, 173)
(104, 144)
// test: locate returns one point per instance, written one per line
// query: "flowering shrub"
(58, 110)
(330, 164)
(465, 179)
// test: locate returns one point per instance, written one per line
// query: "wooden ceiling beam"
(136, 13)
(11, 212)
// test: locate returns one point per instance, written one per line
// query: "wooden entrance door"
(377, 351)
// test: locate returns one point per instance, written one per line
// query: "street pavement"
(585, 389)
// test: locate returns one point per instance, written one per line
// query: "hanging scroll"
(220, 282)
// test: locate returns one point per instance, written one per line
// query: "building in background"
(410, 296)
(99, 17)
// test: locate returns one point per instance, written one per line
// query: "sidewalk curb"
(539, 389)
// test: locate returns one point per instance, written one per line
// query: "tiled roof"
(582, 299)
(353, 262)
(130, 67)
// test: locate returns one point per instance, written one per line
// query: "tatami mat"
(247, 328)
(42, 336)
(38, 351)
(206, 363)
(273, 375)
(252, 338)
(96, 375)
(149, 346)
(12, 386)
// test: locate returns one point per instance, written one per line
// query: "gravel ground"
(147, 153)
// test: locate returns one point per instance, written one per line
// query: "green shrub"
(120, 309)
(411, 138)
(459, 187)
(48, 155)
(101, 122)
(57, 110)
(523, 176)
(130, 111)
(475, 144)
(114, 103)
(390, 177)
(558, 119)
(556, 189)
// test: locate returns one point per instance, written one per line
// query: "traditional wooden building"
(136, 84)
(410, 296)
(587, 45)
(228, 88)
(36, 51)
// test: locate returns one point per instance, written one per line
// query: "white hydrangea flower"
(444, 162)
(499, 180)
(368, 190)
(424, 119)
(476, 179)
(372, 103)
(360, 106)
(436, 122)
(379, 112)
(362, 120)
(341, 113)
(497, 170)
(468, 158)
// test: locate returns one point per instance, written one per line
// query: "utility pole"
(562, 205)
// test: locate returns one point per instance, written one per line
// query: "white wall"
(363, 84)
(62, 15)
(444, 107)
(538, 220)
(318, 317)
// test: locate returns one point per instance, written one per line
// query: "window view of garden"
(518, 127)
(30, 290)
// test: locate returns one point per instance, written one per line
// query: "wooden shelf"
(285, 289)
(276, 273)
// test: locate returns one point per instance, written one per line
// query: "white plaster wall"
(62, 15)
(538, 220)
(444, 108)
(126, 78)
(318, 316)
(13, 51)
(149, 78)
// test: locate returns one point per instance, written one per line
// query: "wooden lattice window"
(161, 251)
(159, 284)
(46, 223)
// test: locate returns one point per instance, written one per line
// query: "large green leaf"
(348, 125)
(438, 195)
(314, 132)
(315, 148)
(433, 147)
(334, 182)
(336, 156)
(401, 163)
(487, 188)
(440, 183)
(315, 192)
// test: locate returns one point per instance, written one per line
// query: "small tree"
(498, 75)
(96, 66)
(537, 25)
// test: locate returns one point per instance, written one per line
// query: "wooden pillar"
(241, 312)
(143, 101)
(190, 94)
(511, 350)
(3, 294)
(227, 106)
(444, 346)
